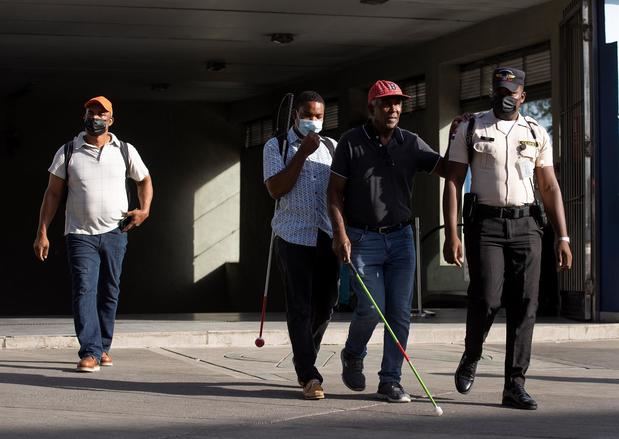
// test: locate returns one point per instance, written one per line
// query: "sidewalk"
(241, 330)
(235, 392)
(200, 376)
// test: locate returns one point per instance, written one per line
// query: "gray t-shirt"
(379, 177)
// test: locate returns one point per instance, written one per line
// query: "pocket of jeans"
(355, 235)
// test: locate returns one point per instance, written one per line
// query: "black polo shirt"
(379, 177)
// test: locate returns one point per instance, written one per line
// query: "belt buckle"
(383, 229)
(506, 213)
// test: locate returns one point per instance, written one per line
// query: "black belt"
(382, 229)
(484, 211)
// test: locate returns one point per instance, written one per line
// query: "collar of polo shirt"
(82, 140)
(371, 133)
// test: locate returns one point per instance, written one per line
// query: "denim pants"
(95, 263)
(386, 262)
(310, 280)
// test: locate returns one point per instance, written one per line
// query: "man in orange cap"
(369, 195)
(92, 170)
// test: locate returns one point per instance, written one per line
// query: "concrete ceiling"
(158, 49)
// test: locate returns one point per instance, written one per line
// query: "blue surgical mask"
(308, 125)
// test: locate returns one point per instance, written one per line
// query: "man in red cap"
(92, 170)
(369, 196)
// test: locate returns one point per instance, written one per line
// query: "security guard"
(503, 227)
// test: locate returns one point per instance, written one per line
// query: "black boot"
(465, 375)
(515, 396)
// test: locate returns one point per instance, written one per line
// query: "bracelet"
(564, 238)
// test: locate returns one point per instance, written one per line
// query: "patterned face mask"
(95, 127)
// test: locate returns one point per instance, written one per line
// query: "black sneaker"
(392, 392)
(352, 372)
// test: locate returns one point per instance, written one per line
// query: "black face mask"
(504, 105)
(95, 127)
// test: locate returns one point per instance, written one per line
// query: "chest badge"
(526, 143)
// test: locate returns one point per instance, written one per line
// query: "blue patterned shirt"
(303, 210)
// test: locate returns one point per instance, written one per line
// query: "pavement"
(198, 383)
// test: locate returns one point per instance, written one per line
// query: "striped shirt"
(303, 210)
(97, 197)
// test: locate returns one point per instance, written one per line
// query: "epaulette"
(531, 120)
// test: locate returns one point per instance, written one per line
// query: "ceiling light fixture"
(282, 38)
(374, 2)
(215, 66)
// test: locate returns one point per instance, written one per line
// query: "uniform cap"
(507, 77)
(101, 100)
(383, 88)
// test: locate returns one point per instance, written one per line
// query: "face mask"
(307, 125)
(95, 127)
(504, 105)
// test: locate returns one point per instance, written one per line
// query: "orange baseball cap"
(101, 100)
(383, 88)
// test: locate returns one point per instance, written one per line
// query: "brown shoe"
(313, 390)
(106, 360)
(88, 364)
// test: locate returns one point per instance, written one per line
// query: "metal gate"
(578, 285)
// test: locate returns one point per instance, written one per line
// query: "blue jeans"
(386, 262)
(95, 263)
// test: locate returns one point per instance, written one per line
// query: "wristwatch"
(564, 238)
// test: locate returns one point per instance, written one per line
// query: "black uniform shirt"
(379, 177)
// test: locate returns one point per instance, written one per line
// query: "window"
(258, 132)
(541, 111)
(476, 77)
(416, 89)
(331, 120)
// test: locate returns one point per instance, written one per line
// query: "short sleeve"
(545, 153)
(137, 169)
(57, 167)
(342, 158)
(426, 158)
(272, 161)
(457, 150)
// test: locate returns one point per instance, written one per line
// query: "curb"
(420, 334)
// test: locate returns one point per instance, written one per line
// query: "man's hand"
(456, 122)
(137, 218)
(309, 144)
(41, 247)
(452, 251)
(341, 247)
(564, 256)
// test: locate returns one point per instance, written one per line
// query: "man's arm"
(553, 204)
(441, 167)
(145, 195)
(283, 182)
(335, 201)
(49, 206)
(452, 194)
